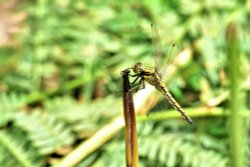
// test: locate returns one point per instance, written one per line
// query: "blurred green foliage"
(60, 72)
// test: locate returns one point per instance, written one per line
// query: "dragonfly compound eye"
(137, 68)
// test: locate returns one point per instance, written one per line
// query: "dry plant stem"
(192, 112)
(130, 123)
(226, 94)
(93, 143)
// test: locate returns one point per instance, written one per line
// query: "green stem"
(236, 121)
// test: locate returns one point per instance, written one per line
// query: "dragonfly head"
(137, 68)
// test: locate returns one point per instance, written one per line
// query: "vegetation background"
(60, 68)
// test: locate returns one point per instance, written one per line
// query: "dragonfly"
(154, 75)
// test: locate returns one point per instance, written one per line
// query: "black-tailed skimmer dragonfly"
(153, 76)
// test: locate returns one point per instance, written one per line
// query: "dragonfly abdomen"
(162, 88)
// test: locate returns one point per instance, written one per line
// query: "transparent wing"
(157, 104)
(161, 61)
(158, 50)
(173, 50)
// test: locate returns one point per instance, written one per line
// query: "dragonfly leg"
(135, 75)
(137, 87)
(135, 80)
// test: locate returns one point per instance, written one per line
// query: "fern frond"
(8, 104)
(45, 131)
(173, 148)
(15, 151)
(85, 118)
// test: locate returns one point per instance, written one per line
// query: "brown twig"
(130, 122)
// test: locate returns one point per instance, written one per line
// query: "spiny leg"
(137, 87)
(137, 77)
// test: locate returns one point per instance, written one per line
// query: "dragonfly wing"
(158, 50)
(158, 104)
(161, 61)
(173, 50)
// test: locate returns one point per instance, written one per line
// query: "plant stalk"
(236, 121)
(130, 122)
